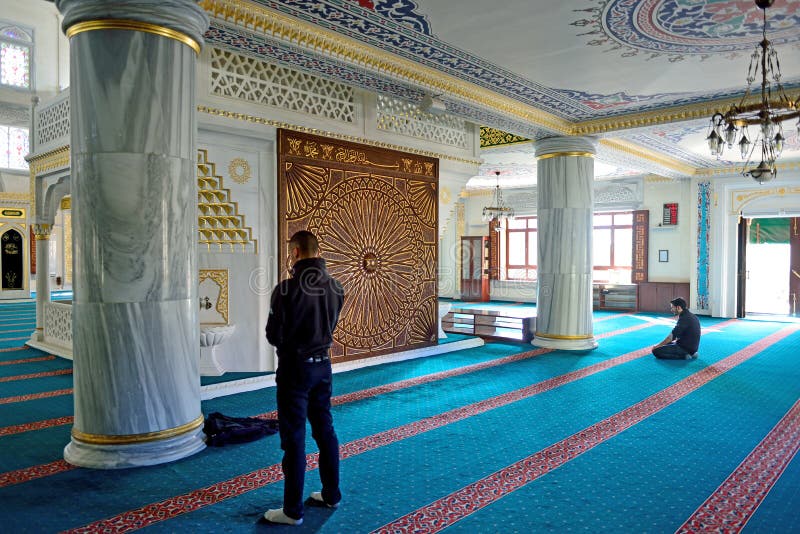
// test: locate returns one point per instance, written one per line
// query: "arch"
(53, 194)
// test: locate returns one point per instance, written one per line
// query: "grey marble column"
(42, 234)
(565, 175)
(134, 196)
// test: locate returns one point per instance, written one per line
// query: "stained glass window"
(13, 147)
(15, 57)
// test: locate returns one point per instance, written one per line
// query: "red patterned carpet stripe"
(36, 375)
(28, 360)
(416, 381)
(30, 473)
(733, 503)
(34, 396)
(12, 349)
(448, 510)
(36, 425)
(189, 502)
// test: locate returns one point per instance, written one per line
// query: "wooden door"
(794, 268)
(741, 271)
(474, 268)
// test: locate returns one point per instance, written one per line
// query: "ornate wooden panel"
(375, 212)
(641, 234)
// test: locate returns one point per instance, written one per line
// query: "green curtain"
(769, 231)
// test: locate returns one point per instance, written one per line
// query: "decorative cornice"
(14, 197)
(40, 163)
(333, 135)
(311, 37)
(737, 169)
(740, 198)
(637, 151)
(492, 137)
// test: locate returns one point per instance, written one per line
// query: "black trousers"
(304, 392)
(672, 351)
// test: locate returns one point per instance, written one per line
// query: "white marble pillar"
(41, 233)
(565, 172)
(134, 197)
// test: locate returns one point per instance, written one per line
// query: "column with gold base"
(565, 176)
(41, 233)
(134, 196)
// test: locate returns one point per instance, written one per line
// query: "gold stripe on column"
(556, 336)
(133, 25)
(101, 439)
(566, 154)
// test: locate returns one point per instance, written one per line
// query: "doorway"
(769, 264)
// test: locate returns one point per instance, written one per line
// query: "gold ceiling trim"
(309, 36)
(573, 154)
(637, 151)
(737, 169)
(333, 135)
(493, 137)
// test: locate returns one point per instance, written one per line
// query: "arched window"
(16, 51)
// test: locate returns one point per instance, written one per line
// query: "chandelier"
(766, 116)
(498, 211)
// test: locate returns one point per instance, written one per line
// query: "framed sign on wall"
(670, 214)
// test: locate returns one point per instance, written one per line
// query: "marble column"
(565, 175)
(134, 197)
(41, 233)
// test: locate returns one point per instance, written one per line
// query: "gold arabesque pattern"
(219, 277)
(493, 137)
(359, 202)
(219, 220)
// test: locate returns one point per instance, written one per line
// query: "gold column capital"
(41, 231)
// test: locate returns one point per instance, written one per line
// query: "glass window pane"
(14, 65)
(602, 219)
(532, 274)
(517, 223)
(532, 248)
(623, 219)
(600, 275)
(5, 147)
(532, 222)
(516, 248)
(623, 247)
(602, 247)
(18, 149)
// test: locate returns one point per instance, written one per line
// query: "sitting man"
(683, 341)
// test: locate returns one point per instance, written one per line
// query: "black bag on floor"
(222, 429)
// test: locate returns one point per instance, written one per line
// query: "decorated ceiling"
(641, 75)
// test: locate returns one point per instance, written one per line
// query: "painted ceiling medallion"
(684, 28)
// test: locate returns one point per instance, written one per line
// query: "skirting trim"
(556, 336)
(133, 25)
(101, 439)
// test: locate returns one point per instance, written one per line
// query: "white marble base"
(444, 307)
(134, 455)
(210, 339)
(565, 344)
(209, 365)
(49, 348)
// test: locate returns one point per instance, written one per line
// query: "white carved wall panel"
(245, 78)
(400, 116)
(52, 123)
(58, 324)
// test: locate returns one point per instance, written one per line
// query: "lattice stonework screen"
(376, 214)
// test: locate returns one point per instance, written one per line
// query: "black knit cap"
(678, 302)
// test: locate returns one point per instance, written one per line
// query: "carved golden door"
(375, 212)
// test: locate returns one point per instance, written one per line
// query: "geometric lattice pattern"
(254, 80)
(403, 117)
(219, 221)
(58, 324)
(53, 123)
(375, 212)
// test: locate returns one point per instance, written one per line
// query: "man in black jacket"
(304, 310)
(682, 343)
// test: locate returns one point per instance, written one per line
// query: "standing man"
(683, 341)
(304, 310)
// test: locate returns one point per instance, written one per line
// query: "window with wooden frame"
(521, 248)
(612, 244)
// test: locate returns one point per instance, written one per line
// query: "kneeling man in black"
(683, 341)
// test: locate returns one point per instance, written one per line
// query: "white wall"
(676, 240)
